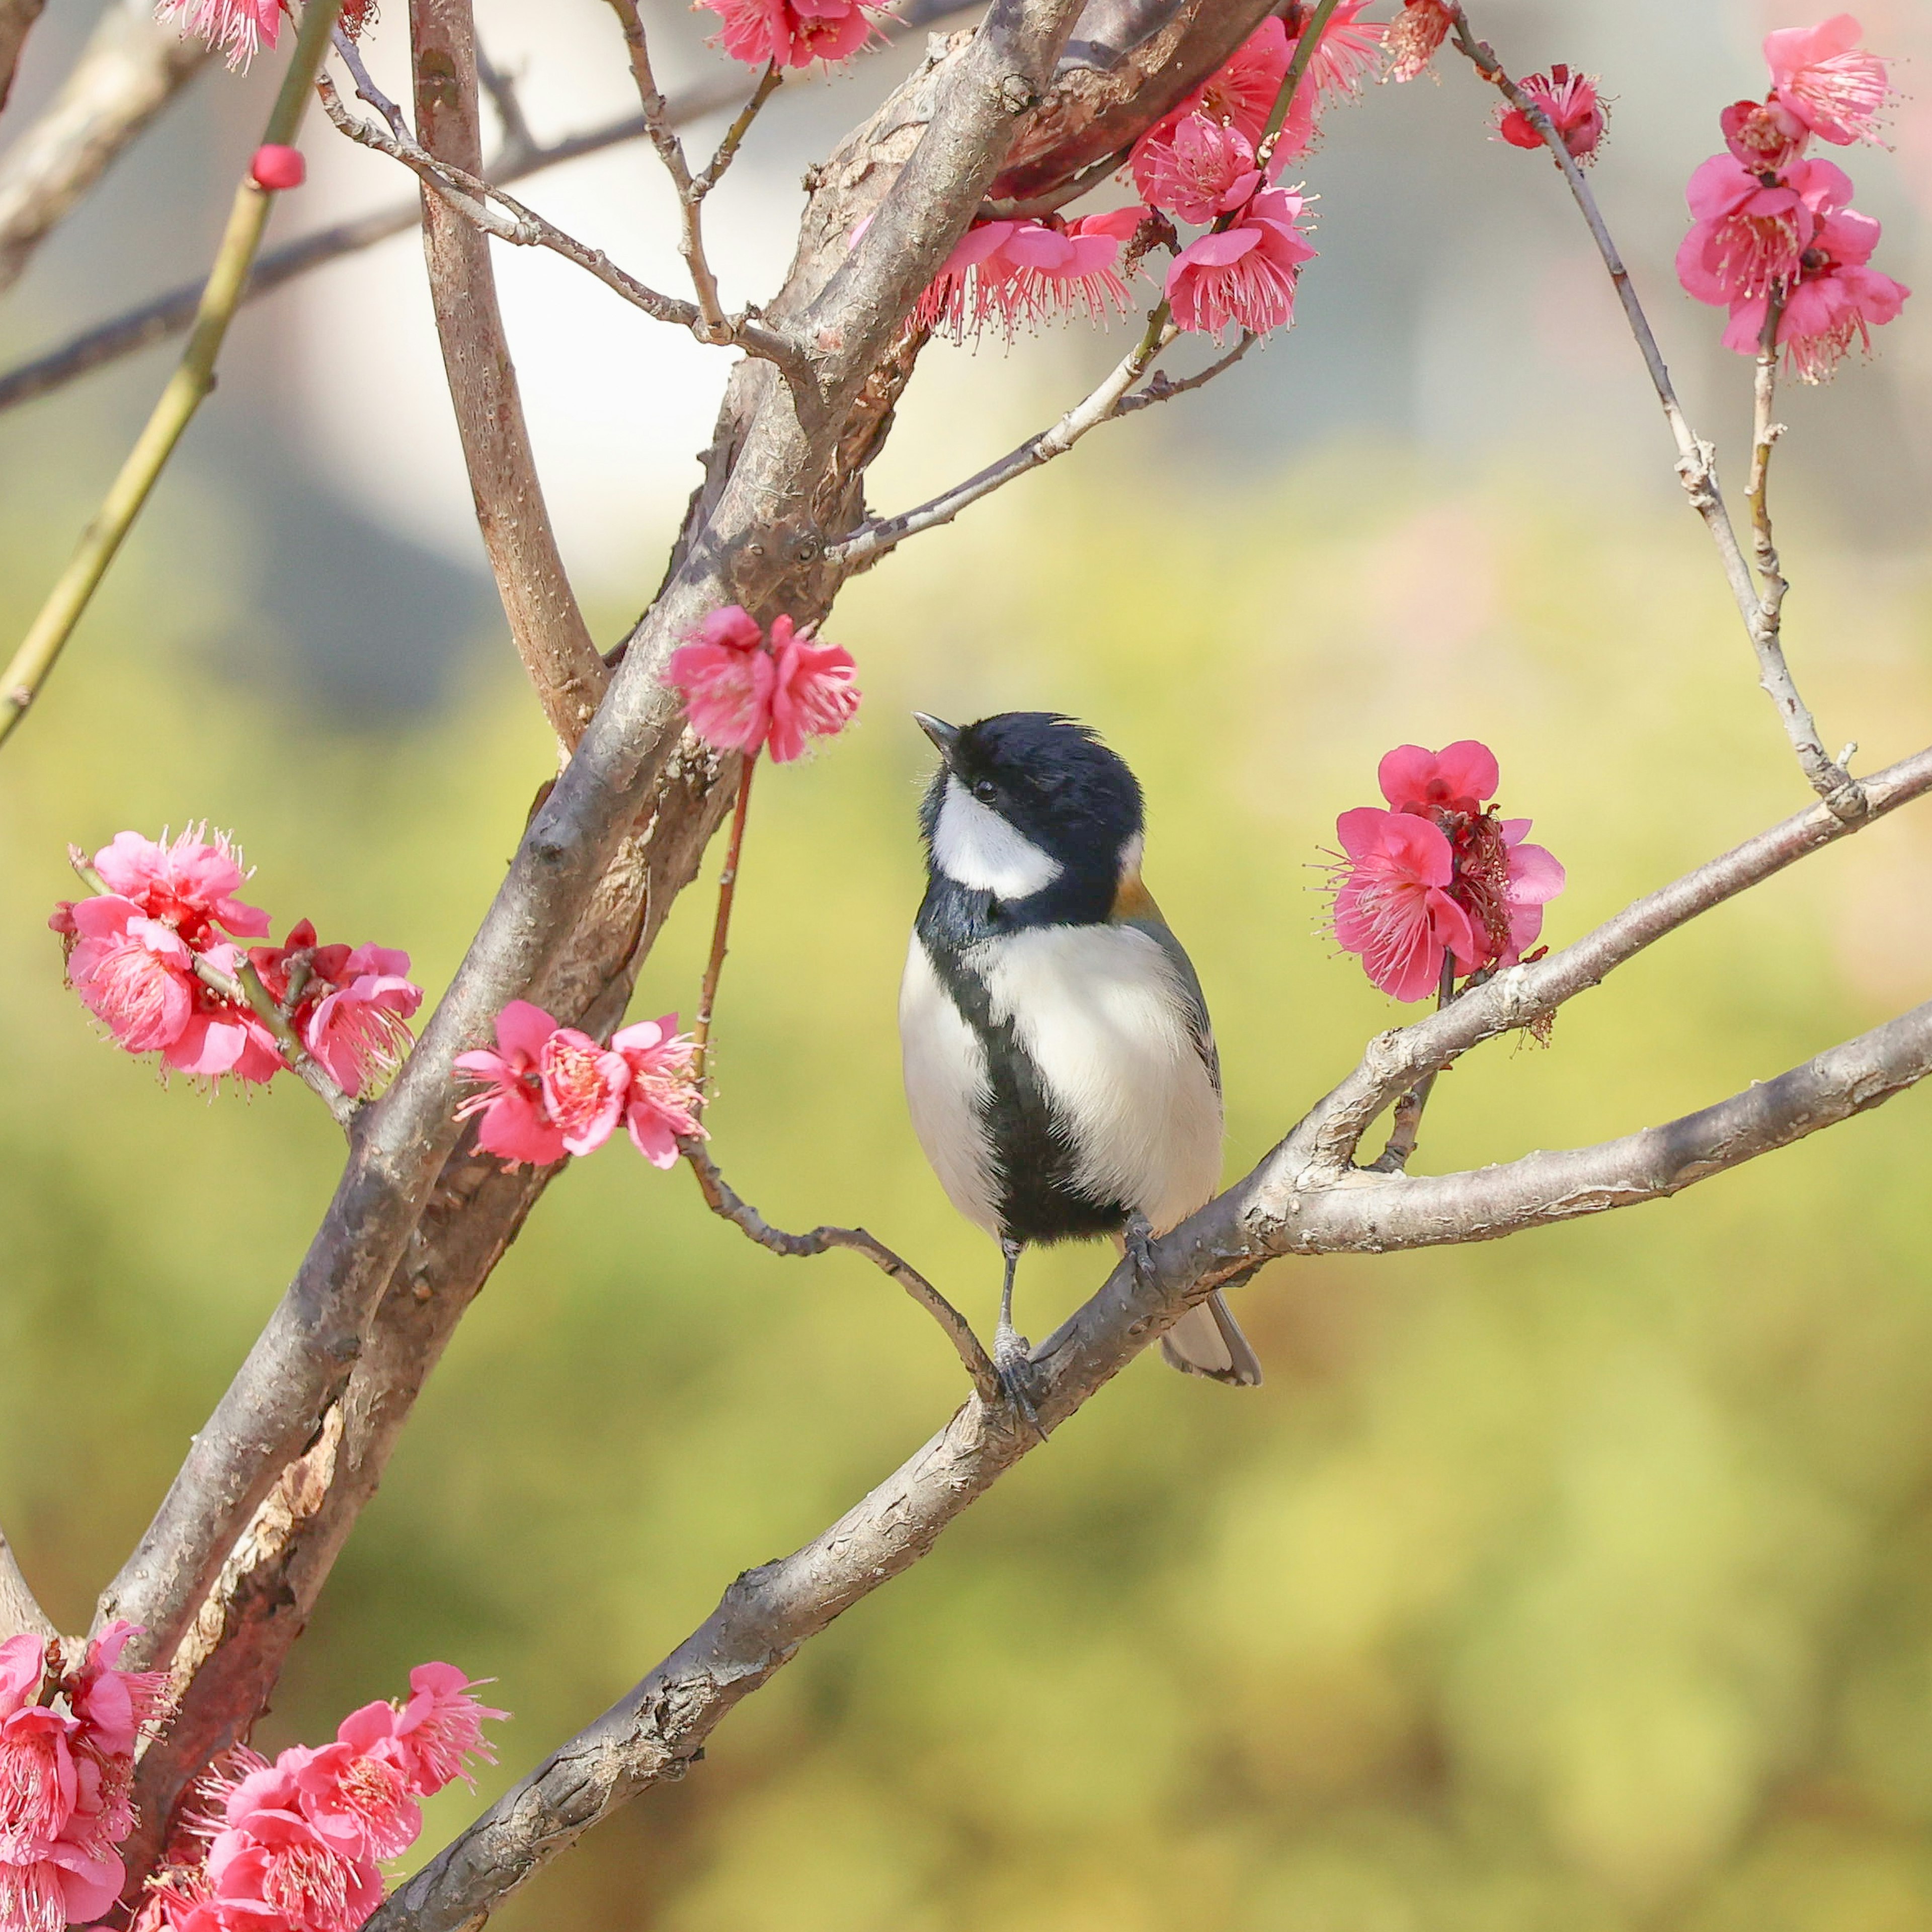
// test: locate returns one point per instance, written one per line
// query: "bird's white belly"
(1101, 1012)
(946, 1086)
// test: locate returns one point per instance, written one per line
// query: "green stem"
(721, 930)
(20, 682)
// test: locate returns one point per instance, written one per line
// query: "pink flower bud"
(276, 168)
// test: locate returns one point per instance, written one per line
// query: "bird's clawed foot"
(1015, 1364)
(1138, 1239)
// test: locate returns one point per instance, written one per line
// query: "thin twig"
(20, 683)
(720, 928)
(1696, 460)
(713, 326)
(1161, 387)
(472, 197)
(366, 89)
(1406, 1130)
(720, 1199)
(1764, 434)
(713, 172)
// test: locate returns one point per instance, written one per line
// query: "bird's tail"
(1208, 1341)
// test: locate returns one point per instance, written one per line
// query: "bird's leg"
(1010, 1355)
(1137, 1238)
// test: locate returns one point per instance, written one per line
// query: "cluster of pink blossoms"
(1436, 883)
(549, 1091)
(745, 692)
(243, 27)
(1772, 225)
(154, 957)
(793, 33)
(1576, 110)
(1199, 164)
(296, 1845)
(66, 1768)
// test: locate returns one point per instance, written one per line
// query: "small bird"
(1060, 1067)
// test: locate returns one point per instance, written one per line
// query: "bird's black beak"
(944, 736)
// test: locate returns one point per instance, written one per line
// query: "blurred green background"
(1581, 1581)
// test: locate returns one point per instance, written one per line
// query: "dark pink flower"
(1016, 273)
(516, 1126)
(241, 26)
(1766, 136)
(1473, 891)
(133, 973)
(62, 1886)
(189, 885)
(663, 1101)
(359, 1029)
(1824, 78)
(1573, 104)
(1242, 94)
(743, 692)
(1748, 239)
(1238, 99)
(1413, 36)
(222, 1037)
(1202, 168)
(1392, 904)
(584, 1087)
(793, 33)
(278, 167)
(272, 1868)
(114, 1706)
(1349, 52)
(1838, 300)
(37, 1780)
(1242, 276)
(440, 1728)
(356, 1792)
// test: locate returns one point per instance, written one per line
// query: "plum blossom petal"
(1390, 904)
(515, 1126)
(793, 33)
(359, 1031)
(1764, 135)
(1458, 778)
(584, 1086)
(664, 1100)
(1571, 101)
(1823, 76)
(744, 692)
(1242, 276)
(1204, 168)
(242, 28)
(133, 973)
(187, 884)
(814, 693)
(440, 1729)
(1413, 36)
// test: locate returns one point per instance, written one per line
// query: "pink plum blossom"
(1748, 238)
(1242, 276)
(1349, 50)
(242, 27)
(515, 1125)
(1238, 99)
(189, 884)
(359, 1029)
(1823, 75)
(114, 1706)
(440, 1728)
(1021, 274)
(1437, 880)
(356, 1791)
(1411, 38)
(1393, 905)
(133, 973)
(743, 692)
(1765, 135)
(793, 33)
(1838, 299)
(270, 1866)
(1575, 109)
(662, 1104)
(1204, 168)
(584, 1086)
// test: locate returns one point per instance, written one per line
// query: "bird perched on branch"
(1059, 1063)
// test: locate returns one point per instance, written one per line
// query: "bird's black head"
(1029, 806)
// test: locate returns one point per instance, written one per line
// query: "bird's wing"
(1147, 918)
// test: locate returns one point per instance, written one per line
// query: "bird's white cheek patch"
(976, 848)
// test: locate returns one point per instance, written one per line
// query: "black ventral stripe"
(1033, 1159)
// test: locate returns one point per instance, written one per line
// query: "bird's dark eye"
(985, 790)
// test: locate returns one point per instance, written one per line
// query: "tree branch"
(558, 654)
(654, 1734)
(130, 69)
(723, 1201)
(16, 18)
(20, 1612)
(1696, 460)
